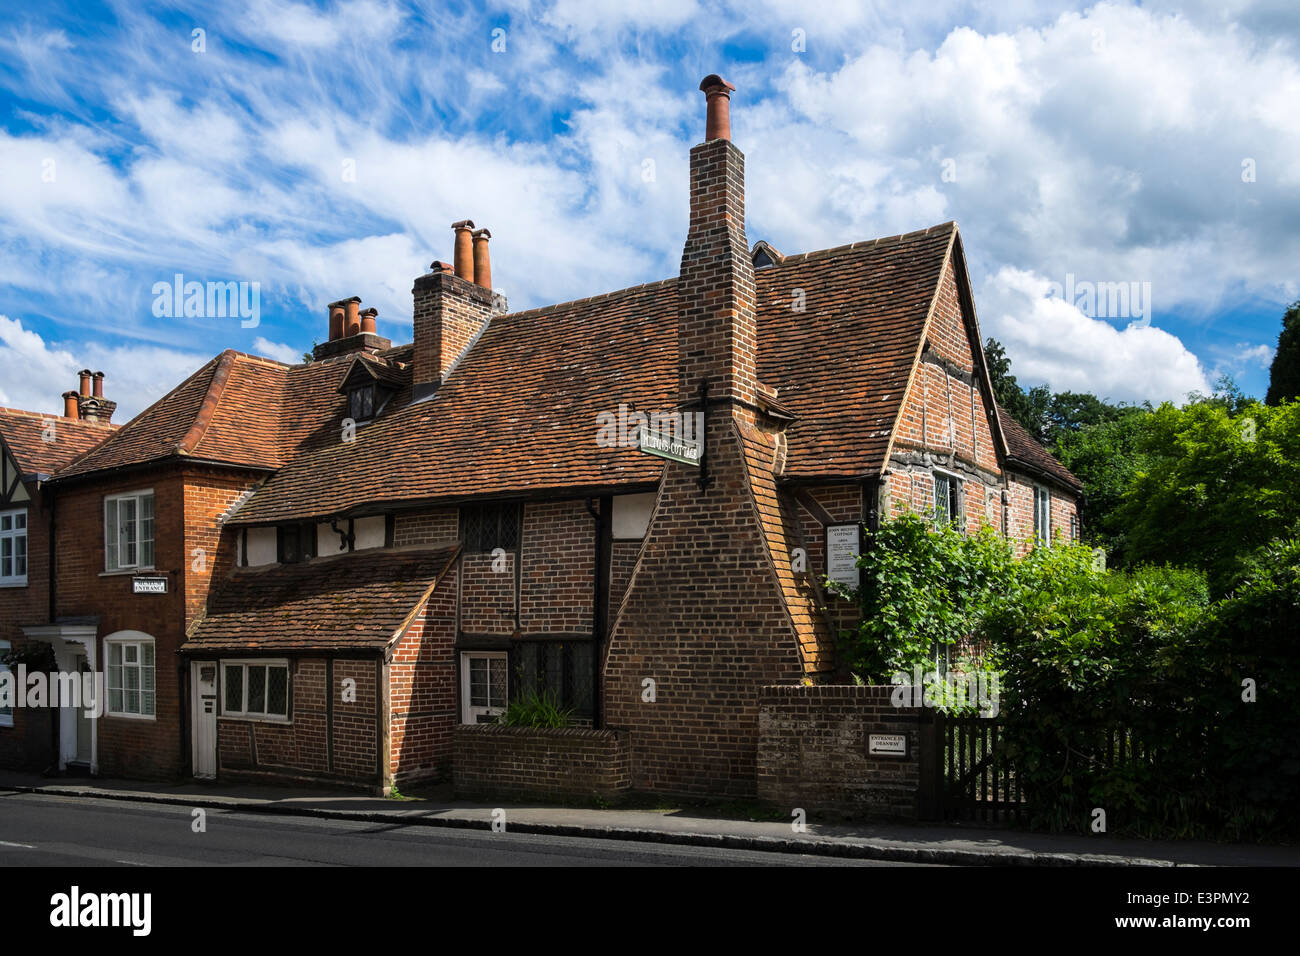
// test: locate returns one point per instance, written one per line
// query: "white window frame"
(139, 643)
(113, 502)
(6, 718)
(957, 517)
(13, 535)
(1042, 514)
(468, 712)
(244, 713)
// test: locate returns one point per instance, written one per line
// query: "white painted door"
(203, 678)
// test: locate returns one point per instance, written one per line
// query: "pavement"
(698, 826)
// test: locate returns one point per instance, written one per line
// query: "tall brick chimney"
(705, 614)
(716, 324)
(451, 308)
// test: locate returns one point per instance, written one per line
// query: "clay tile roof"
(1023, 450)
(518, 414)
(238, 410)
(24, 434)
(351, 601)
(842, 364)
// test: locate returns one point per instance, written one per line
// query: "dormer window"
(361, 403)
(368, 384)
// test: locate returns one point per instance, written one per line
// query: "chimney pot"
(70, 405)
(717, 93)
(337, 320)
(352, 315)
(438, 265)
(84, 375)
(482, 259)
(464, 254)
(99, 385)
(368, 320)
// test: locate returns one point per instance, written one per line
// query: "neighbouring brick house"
(32, 448)
(370, 554)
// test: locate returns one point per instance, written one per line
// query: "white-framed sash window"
(13, 547)
(128, 531)
(484, 685)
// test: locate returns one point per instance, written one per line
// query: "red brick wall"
(423, 702)
(812, 751)
(432, 527)
(622, 559)
(559, 560)
(300, 749)
(488, 597)
(705, 620)
(129, 746)
(494, 761)
(448, 311)
(28, 743)
(188, 505)
(844, 504)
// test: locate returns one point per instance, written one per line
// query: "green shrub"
(536, 709)
(924, 592)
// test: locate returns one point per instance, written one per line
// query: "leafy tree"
(1284, 375)
(1213, 485)
(1106, 458)
(1030, 408)
(924, 592)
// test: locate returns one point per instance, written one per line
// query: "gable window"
(6, 709)
(13, 548)
(128, 531)
(483, 685)
(1042, 515)
(484, 528)
(361, 403)
(295, 542)
(947, 500)
(130, 678)
(258, 690)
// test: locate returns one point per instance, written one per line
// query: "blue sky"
(323, 150)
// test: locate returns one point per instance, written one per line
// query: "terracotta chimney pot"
(482, 260)
(717, 92)
(99, 384)
(337, 321)
(352, 316)
(70, 405)
(463, 256)
(84, 375)
(368, 320)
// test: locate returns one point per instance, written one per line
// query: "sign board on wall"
(148, 585)
(684, 450)
(887, 745)
(843, 546)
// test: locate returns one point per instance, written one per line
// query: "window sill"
(126, 571)
(283, 721)
(109, 713)
(6, 722)
(13, 582)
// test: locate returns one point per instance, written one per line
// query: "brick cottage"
(343, 570)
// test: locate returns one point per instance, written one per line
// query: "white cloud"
(275, 350)
(1050, 340)
(34, 373)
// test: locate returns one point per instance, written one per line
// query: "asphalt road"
(43, 830)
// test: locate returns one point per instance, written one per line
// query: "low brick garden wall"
(490, 760)
(813, 752)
